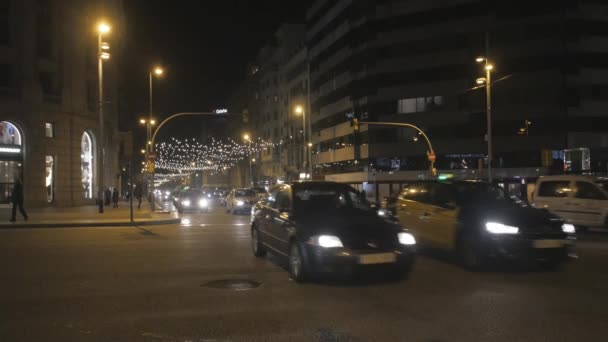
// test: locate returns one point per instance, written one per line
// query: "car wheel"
(469, 255)
(402, 273)
(256, 244)
(551, 265)
(296, 263)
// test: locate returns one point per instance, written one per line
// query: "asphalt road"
(132, 284)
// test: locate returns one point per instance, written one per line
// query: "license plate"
(549, 243)
(380, 258)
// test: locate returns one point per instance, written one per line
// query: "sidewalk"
(87, 216)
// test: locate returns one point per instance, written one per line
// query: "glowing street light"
(102, 54)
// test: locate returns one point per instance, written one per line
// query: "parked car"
(477, 222)
(326, 228)
(192, 200)
(580, 200)
(240, 201)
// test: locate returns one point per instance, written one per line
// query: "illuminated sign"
(221, 111)
(10, 150)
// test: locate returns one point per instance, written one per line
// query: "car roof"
(566, 177)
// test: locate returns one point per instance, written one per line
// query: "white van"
(580, 200)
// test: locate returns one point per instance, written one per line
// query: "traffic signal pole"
(432, 157)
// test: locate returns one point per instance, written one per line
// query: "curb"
(89, 224)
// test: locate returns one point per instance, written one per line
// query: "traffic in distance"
(325, 229)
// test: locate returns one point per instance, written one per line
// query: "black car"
(192, 200)
(479, 222)
(328, 228)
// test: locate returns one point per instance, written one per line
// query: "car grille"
(371, 243)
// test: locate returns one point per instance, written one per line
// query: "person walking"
(139, 193)
(115, 198)
(108, 196)
(17, 199)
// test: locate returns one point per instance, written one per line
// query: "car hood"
(356, 228)
(527, 219)
(246, 199)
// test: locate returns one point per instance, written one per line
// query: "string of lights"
(191, 155)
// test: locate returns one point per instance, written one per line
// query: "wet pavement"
(190, 282)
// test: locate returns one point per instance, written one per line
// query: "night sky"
(204, 46)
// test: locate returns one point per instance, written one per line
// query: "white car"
(579, 200)
(241, 201)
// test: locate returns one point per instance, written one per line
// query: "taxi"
(477, 222)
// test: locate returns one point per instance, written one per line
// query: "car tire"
(256, 244)
(402, 273)
(550, 265)
(297, 264)
(469, 255)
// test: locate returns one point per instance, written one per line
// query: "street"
(149, 284)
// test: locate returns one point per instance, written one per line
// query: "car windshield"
(259, 190)
(244, 193)
(194, 193)
(480, 193)
(328, 198)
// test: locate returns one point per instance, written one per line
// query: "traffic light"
(355, 123)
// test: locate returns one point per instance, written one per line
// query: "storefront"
(11, 159)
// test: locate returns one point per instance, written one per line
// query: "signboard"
(150, 167)
(432, 157)
(152, 156)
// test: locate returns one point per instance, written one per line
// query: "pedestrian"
(115, 197)
(17, 199)
(108, 196)
(139, 194)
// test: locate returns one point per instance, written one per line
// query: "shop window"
(86, 154)
(49, 130)
(50, 179)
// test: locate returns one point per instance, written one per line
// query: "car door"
(556, 196)
(442, 223)
(414, 211)
(280, 223)
(264, 219)
(588, 203)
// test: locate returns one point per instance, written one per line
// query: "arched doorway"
(11, 158)
(86, 166)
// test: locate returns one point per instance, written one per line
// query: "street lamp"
(306, 158)
(102, 54)
(247, 138)
(488, 67)
(149, 123)
(156, 71)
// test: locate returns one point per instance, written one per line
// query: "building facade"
(277, 83)
(49, 131)
(414, 62)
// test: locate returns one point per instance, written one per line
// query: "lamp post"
(306, 159)
(149, 123)
(102, 53)
(158, 71)
(247, 138)
(488, 67)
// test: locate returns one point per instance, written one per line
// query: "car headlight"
(406, 239)
(168, 193)
(382, 212)
(326, 241)
(568, 228)
(203, 203)
(240, 203)
(186, 203)
(499, 228)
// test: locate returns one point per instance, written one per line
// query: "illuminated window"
(49, 130)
